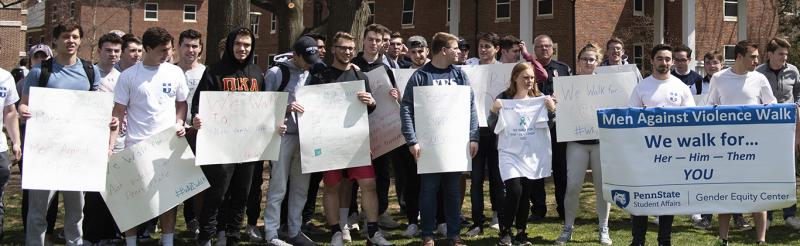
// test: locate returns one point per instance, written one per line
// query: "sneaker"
(378, 240)
(336, 239)
(412, 231)
(346, 234)
(386, 221)
(521, 239)
(703, 224)
(442, 229)
(739, 222)
(535, 218)
(792, 222)
(193, 226)
(277, 242)
(302, 240)
(221, 239)
(475, 231)
(495, 224)
(253, 233)
(310, 229)
(605, 237)
(565, 236)
(505, 241)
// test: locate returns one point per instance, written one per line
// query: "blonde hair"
(516, 72)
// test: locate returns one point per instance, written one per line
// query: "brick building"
(12, 35)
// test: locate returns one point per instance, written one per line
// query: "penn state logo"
(166, 87)
(311, 50)
(3, 92)
(673, 97)
(621, 198)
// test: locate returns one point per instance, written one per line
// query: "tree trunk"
(226, 16)
(290, 22)
(342, 14)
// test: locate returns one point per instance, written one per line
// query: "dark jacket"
(367, 67)
(230, 74)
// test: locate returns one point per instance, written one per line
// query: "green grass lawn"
(541, 233)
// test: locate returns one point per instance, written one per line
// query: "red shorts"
(355, 173)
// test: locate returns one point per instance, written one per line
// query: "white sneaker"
(277, 242)
(495, 224)
(253, 233)
(475, 231)
(605, 237)
(792, 222)
(221, 239)
(346, 234)
(336, 239)
(378, 240)
(412, 231)
(565, 236)
(442, 229)
(386, 221)
(696, 218)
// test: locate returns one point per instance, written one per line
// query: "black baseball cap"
(306, 47)
(463, 44)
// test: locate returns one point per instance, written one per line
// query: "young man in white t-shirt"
(8, 96)
(659, 90)
(741, 85)
(190, 47)
(153, 94)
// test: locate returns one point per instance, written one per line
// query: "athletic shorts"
(355, 173)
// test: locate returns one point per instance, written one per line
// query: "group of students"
(152, 94)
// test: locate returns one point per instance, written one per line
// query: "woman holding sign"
(523, 145)
(581, 155)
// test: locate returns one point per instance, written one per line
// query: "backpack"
(47, 69)
(285, 74)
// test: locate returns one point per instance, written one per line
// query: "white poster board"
(233, 118)
(149, 178)
(487, 81)
(620, 69)
(334, 129)
(401, 77)
(579, 97)
(66, 141)
(384, 121)
(698, 160)
(441, 123)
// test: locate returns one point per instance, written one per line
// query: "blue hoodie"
(429, 75)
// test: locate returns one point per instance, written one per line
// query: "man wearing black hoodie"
(234, 72)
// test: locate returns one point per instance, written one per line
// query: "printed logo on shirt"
(3, 91)
(239, 84)
(673, 97)
(523, 121)
(166, 87)
(444, 82)
(192, 82)
(621, 198)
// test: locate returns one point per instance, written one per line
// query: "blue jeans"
(451, 183)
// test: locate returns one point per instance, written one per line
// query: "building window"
(190, 13)
(448, 12)
(273, 24)
(638, 7)
(255, 18)
(255, 59)
(503, 9)
(371, 18)
(72, 10)
(545, 8)
(54, 14)
(270, 60)
(638, 55)
(151, 11)
(730, 53)
(731, 10)
(408, 12)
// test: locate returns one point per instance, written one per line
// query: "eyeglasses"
(346, 48)
(588, 60)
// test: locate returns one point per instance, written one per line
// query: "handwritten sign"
(401, 77)
(66, 138)
(487, 81)
(334, 129)
(149, 178)
(384, 121)
(579, 98)
(441, 119)
(620, 69)
(692, 160)
(233, 118)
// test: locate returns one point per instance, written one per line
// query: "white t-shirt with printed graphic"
(150, 93)
(107, 80)
(9, 96)
(523, 139)
(193, 77)
(728, 88)
(652, 92)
